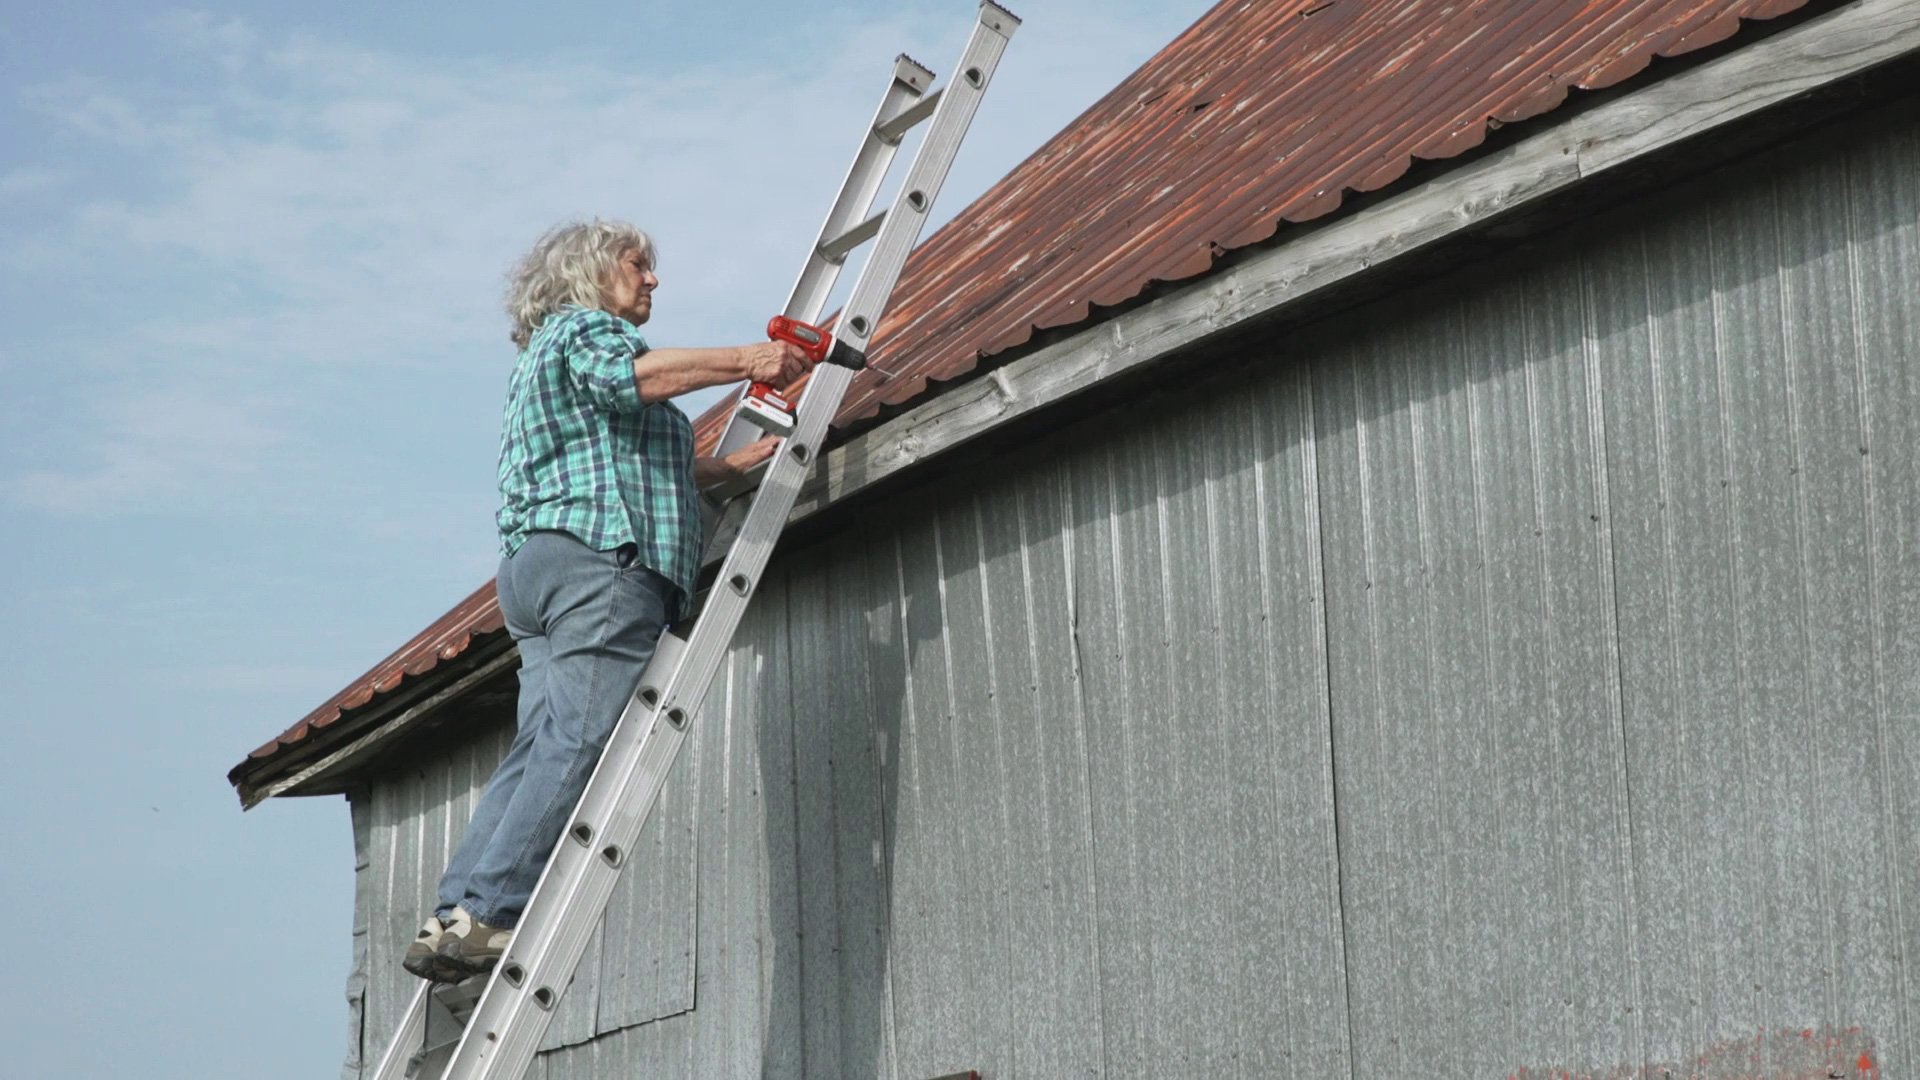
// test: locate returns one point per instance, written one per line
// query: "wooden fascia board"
(338, 764)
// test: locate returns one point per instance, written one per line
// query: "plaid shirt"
(581, 453)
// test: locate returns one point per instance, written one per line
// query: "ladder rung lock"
(740, 583)
(895, 127)
(649, 696)
(611, 856)
(514, 974)
(677, 717)
(583, 833)
(917, 200)
(544, 997)
(836, 249)
(801, 453)
(974, 78)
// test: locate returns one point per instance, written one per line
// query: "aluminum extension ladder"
(490, 1027)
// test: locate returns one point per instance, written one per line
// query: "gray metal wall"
(1517, 676)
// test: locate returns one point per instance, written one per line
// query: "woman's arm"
(663, 374)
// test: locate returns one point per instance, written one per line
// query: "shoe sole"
(435, 969)
(468, 968)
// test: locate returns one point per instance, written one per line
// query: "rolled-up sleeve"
(600, 351)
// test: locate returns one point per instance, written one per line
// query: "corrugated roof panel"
(449, 636)
(1259, 114)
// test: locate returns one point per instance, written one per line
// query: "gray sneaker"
(423, 956)
(470, 946)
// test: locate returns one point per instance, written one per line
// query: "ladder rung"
(837, 249)
(895, 127)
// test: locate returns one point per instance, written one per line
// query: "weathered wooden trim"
(377, 739)
(1839, 45)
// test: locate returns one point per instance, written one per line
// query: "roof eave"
(332, 762)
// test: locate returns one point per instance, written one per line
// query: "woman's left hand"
(712, 471)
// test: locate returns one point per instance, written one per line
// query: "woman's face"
(630, 293)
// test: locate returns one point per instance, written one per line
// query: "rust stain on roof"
(1260, 114)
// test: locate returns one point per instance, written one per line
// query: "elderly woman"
(600, 538)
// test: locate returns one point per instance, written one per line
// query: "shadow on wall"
(836, 685)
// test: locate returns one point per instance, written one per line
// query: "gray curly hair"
(571, 264)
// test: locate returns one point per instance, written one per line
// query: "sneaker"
(423, 956)
(470, 946)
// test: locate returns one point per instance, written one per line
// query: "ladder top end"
(912, 72)
(988, 6)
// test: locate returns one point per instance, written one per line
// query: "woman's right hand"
(776, 362)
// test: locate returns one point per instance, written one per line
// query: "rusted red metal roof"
(1261, 113)
(449, 636)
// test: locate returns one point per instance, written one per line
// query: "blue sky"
(251, 358)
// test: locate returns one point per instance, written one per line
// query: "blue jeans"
(586, 623)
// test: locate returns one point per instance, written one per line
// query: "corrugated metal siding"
(1579, 593)
(1623, 562)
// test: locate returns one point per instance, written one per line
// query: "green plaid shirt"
(581, 453)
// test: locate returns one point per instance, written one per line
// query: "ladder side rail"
(958, 101)
(952, 115)
(413, 1027)
(857, 190)
(821, 270)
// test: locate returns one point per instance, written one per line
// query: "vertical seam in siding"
(1787, 354)
(1071, 569)
(787, 714)
(1662, 458)
(1210, 497)
(1373, 662)
(1607, 569)
(1170, 762)
(1263, 449)
(886, 825)
(1043, 830)
(1558, 800)
(1730, 499)
(1317, 571)
(908, 735)
(1000, 757)
(1888, 824)
(1476, 464)
(1123, 656)
(1417, 406)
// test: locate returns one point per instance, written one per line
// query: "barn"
(1391, 548)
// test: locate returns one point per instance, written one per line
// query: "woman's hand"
(714, 471)
(776, 362)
